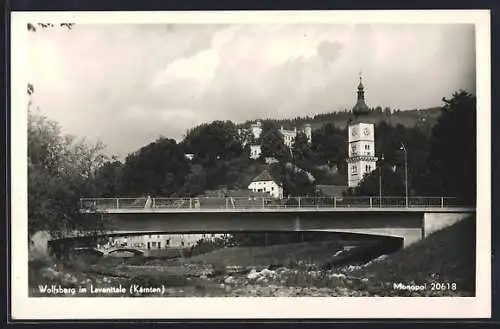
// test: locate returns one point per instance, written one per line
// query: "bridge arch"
(136, 252)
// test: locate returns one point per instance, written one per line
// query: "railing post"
(442, 202)
(334, 202)
(117, 203)
(190, 203)
(153, 203)
(299, 201)
(370, 202)
(263, 203)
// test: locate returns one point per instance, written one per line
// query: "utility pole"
(406, 173)
(380, 181)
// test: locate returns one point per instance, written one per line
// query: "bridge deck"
(227, 204)
(281, 210)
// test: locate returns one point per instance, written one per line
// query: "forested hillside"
(440, 143)
(408, 118)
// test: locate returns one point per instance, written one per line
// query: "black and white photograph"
(237, 165)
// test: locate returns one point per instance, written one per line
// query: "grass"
(446, 256)
(277, 255)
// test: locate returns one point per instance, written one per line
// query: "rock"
(50, 273)
(229, 280)
(253, 275)
(38, 246)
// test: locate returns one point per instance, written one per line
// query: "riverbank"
(441, 265)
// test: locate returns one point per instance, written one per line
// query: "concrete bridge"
(111, 251)
(411, 219)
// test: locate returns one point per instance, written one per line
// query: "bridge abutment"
(435, 221)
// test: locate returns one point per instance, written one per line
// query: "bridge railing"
(268, 202)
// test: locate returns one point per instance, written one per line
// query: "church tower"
(362, 159)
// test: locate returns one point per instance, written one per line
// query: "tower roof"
(360, 107)
(360, 86)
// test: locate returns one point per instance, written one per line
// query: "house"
(289, 135)
(158, 241)
(264, 182)
(255, 151)
(270, 160)
(255, 132)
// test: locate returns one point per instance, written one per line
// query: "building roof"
(264, 177)
(360, 108)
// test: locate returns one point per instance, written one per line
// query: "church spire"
(360, 107)
(361, 88)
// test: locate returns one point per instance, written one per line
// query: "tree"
(451, 164)
(273, 145)
(295, 182)
(392, 183)
(195, 183)
(159, 168)
(214, 141)
(303, 156)
(108, 180)
(329, 144)
(61, 170)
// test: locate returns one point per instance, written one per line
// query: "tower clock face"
(366, 131)
(354, 132)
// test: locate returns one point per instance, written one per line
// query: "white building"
(264, 182)
(158, 241)
(255, 151)
(362, 159)
(288, 137)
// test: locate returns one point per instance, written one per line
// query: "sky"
(126, 85)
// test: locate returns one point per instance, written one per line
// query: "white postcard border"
(24, 307)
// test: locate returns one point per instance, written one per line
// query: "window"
(367, 147)
(354, 169)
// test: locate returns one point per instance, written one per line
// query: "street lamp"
(380, 181)
(406, 172)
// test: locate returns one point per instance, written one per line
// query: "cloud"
(128, 84)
